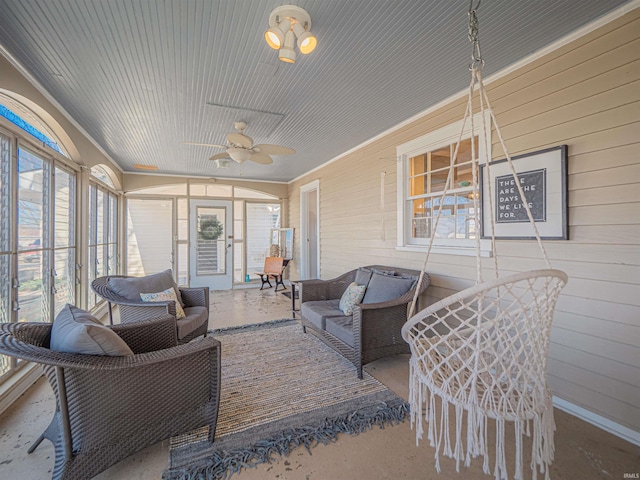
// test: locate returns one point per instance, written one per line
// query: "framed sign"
(543, 177)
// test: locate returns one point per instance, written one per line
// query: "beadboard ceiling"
(142, 76)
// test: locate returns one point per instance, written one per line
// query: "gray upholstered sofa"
(125, 291)
(373, 329)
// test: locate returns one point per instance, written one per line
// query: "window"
(29, 122)
(101, 173)
(422, 175)
(103, 235)
(37, 235)
(150, 246)
(260, 219)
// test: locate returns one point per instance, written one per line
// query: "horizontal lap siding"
(587, 95)
(589, 99)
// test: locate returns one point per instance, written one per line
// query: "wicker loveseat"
(373, 330)
(124, 291)
(108, 407)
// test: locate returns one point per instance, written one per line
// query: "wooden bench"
(273, 268)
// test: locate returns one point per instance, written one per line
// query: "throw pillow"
(351, 296)
(164, 296)
(132, 287)
(76, 331)
(363, 275)
(383, 288)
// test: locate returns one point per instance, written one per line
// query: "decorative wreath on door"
(210, 229)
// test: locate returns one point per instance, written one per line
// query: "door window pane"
(211, 247)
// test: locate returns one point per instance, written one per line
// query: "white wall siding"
(585, 94)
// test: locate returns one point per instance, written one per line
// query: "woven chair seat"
(136, 310)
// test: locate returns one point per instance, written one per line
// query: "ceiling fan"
(240, 148)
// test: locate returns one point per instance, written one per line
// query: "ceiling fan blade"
(268, 149)
(204, 144)
(240, 139)
(219, 155)
(261, 158)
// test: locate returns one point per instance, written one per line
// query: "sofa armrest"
(311, 290)
(325, 289)
(195, 297)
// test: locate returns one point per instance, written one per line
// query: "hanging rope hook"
(477, 62)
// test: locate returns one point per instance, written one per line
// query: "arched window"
(102, 174)
(30, 122)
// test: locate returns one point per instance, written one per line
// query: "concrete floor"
(582, 451)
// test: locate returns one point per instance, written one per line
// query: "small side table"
(294, 296)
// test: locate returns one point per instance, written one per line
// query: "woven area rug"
(281, 388)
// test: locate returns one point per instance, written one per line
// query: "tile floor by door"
(583, 452)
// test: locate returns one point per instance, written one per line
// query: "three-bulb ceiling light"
(286, 23)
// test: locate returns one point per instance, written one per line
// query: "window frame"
(434, 140)
(52, 162)
(109, 238)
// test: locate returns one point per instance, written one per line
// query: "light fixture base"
(291, 12)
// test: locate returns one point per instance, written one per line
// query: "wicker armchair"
(193, 325)
(110, 407)
(374, 331)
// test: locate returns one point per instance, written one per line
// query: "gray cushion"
(384, 287)
(342, 328)
(194, 318)
(363, 275)
(77, 331)
(131, 287)
(317, 311)
(384, 272)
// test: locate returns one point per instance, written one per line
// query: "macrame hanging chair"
(481, 353)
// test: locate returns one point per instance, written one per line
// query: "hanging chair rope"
(483, 351)
(476, 66)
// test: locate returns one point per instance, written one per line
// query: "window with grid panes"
(427, 179)
(423, 169)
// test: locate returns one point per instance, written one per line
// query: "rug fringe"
(223, 464)
(252, 326)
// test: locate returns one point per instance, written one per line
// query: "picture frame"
(543, 176)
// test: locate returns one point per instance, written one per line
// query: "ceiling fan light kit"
(221, 163)
(275, 35)
(286, 23)
(287, 53)
(239, 155)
